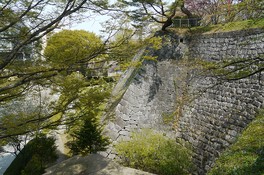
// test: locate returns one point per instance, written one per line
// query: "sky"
(90, 24)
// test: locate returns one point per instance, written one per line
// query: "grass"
(246, 156)
(232, 26)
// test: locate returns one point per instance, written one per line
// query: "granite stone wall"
(142, 105)
(237, 44)
(215, 117)
(214, 120)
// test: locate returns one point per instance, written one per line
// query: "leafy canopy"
(69, 47)
(57, 77)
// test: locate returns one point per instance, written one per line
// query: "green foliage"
(168, 117)
(15, 114)
(235, 68)
(150, 58)
(66, 73)
(154, 152)
(33, 167)
(246, 156)
(88, 139)
(125, 51)
(34, 157)
(86, 98)
(68, 47)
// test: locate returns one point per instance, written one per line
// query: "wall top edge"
(236, 33)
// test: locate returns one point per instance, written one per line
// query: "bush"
(34, 157)
(246, 156)
(153, 152)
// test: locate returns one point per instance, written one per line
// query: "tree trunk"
(167, 23)
(186, 11)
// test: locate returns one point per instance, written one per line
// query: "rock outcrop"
(93, 164)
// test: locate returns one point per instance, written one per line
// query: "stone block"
(120, 122)
(111, 156)
(125, 117)
(122, 138)
(123, 103)
(124, 133)
(256, 104)
(104, 154)
(233, 133)
(112, 135)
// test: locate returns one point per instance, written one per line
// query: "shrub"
(156, 153)
(34, 157)
(246, 156)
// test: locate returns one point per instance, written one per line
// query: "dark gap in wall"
(181, 40)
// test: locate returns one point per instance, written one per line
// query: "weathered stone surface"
(93, 164)
(213, 119)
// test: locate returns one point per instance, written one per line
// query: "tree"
(16, 114)
(123, 54)
(40, 18)
(155, 10)
(74, 50)
(208, 10)
(88, 139)
(71, 77)
(66, 54)
(222, 11)
(33, 20)
(246, 9)
(23, 28)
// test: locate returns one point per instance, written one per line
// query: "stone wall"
(213, 119)
(237, 44)
(143, 102)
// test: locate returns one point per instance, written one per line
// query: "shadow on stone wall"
(213, 120)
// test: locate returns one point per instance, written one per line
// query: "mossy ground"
(232, 26)
(226, 27)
